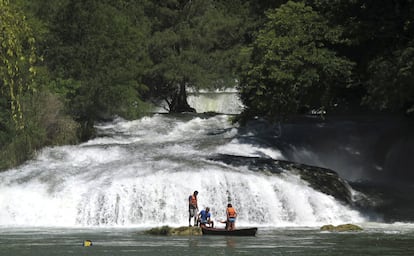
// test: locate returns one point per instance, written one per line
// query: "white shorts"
(192, 211)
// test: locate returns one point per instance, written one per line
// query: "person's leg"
(232, 221)
(191, 214)
(195, 220)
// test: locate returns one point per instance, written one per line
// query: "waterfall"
(140, 173)
(226, 102)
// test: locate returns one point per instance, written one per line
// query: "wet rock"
(324, 180)
(169, 231)
(341, 228)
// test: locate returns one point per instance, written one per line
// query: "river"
(376, 239)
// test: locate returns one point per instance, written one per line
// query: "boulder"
(186, 231)
(341, 228)
(180, 231)
(322, 179)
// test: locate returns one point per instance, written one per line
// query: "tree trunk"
(179, 103)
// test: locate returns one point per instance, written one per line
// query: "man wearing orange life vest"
(192, 208)
(231, 217)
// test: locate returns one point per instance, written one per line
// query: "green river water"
(378, 239)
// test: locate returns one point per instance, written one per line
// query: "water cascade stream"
(140, 173)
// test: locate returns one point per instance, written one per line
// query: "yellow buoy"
(87, 243)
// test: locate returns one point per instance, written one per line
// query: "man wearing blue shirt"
(205, 218)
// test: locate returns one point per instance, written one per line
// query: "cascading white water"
(219, 101)
(226, 102)
(140, 173)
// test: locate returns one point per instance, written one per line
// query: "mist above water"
(360, 148)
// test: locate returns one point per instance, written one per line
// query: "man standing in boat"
(205, 218)
(192, 208)
(231, 217)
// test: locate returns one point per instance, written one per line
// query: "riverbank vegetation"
(67, 64)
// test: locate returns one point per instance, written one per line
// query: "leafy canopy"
(193, 44)
(292, 65)
(391, 82)
(102, 45)
(17, 58)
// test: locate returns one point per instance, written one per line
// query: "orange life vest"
(193, 201)
(231, 212)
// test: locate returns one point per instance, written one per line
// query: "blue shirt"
(204, 216)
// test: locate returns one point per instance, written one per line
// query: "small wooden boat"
(224, 232)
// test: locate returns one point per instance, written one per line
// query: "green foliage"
(104, 58)
(194, 44)
(101, 46)
(17, 58)
(45, 124)
(48, 120)
(30, 116)
(14, 153)
(381, 36)
(391, 81)
(6, 125)
(291, 64)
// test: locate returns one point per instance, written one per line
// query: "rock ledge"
(180, 231)
(341, 228)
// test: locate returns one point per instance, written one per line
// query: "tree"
(27, 119)
(17, 57)
(194, 45)
(381, 37)
(292, 65)
(101, 45)
(390, 84)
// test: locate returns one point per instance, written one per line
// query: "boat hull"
(224, 232)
